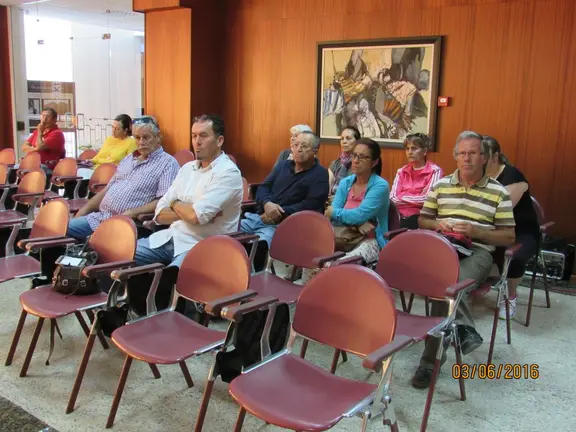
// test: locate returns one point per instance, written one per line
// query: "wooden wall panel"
(507, 65)
(6, 115)
(168, 74)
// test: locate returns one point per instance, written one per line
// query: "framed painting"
(387, 88)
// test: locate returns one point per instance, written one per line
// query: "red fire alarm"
(443, 101)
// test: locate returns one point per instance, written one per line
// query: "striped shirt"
(485, 204)
(136, 183)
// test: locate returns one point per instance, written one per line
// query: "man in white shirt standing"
(204, 200)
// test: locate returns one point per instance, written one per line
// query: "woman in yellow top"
(115, 148)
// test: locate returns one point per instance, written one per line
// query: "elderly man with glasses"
(292, 186)
(141, 180)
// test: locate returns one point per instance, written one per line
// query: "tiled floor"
(167, 404)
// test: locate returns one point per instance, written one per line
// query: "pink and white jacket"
(411, 187)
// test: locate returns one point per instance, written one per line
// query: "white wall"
(107, 72)
(20, 82)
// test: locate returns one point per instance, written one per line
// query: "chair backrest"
(421, 262)
(232, 158)
(393, 217)
(301, 237)
(87, 154)
(103, 174)
(51, 220)
(30, 162)
(246, 190)
(7, 156)
(184, 156)
(114, 239)
(348, 307)
(66, 167)
(216, 267)
(32, 182)
(3, 173)
(539, 211)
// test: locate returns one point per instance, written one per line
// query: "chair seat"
(415, 326)
(294, 394)
(268, 284)
(18, 266)
(166, 338)
(44, 302)
(12, 217)
(76, 204)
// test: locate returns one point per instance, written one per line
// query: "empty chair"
(30, 162)
(304, 240)
(64, 172)
(168, 337)
(424, 263)
(51, 223)
(7, 156)
(288, 391)
(184, 156)
(29, 193)
(115, 243)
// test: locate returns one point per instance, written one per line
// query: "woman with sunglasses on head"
(359, 210)
(115, 148)
(527, 229)
(414, 180)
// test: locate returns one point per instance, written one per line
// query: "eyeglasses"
(146, 120)
(303, 147)
(463, 154)
(360, 157)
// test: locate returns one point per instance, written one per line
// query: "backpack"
(68, 278)
(246, 350)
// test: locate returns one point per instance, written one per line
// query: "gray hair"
(300, 128)
(315, 139)
(466, 135)
(147, 121)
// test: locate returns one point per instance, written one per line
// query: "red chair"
(304, 239)
(65, 171)
(424, 263)
(287, 391)
(3, 173)
(29, 193)
(393, 217)
(168, 337)
(232, 158)
(184, 156)
(30, 162)
(99, 180)
(115, 242)
(87, 155)
(50, 224)
(7, 157)
(539, 261)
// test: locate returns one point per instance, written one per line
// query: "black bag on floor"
(246, 350)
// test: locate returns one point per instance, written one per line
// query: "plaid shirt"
(136, 183)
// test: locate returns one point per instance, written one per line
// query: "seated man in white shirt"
(203, 201)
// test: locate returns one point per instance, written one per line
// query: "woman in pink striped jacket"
(414, 180)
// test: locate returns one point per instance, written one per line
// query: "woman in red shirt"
(414, 180)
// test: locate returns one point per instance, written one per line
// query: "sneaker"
(469, 339)
(512, 307)
(422, 378)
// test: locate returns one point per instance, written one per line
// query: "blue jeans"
(163, 254)
(79, 229)
(252, 224)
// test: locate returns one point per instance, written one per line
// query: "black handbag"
(68, 278)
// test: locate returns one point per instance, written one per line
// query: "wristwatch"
(173, 203)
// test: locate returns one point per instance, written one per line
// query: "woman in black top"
(527, 229)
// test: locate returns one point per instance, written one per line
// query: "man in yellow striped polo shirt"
(469, 203)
